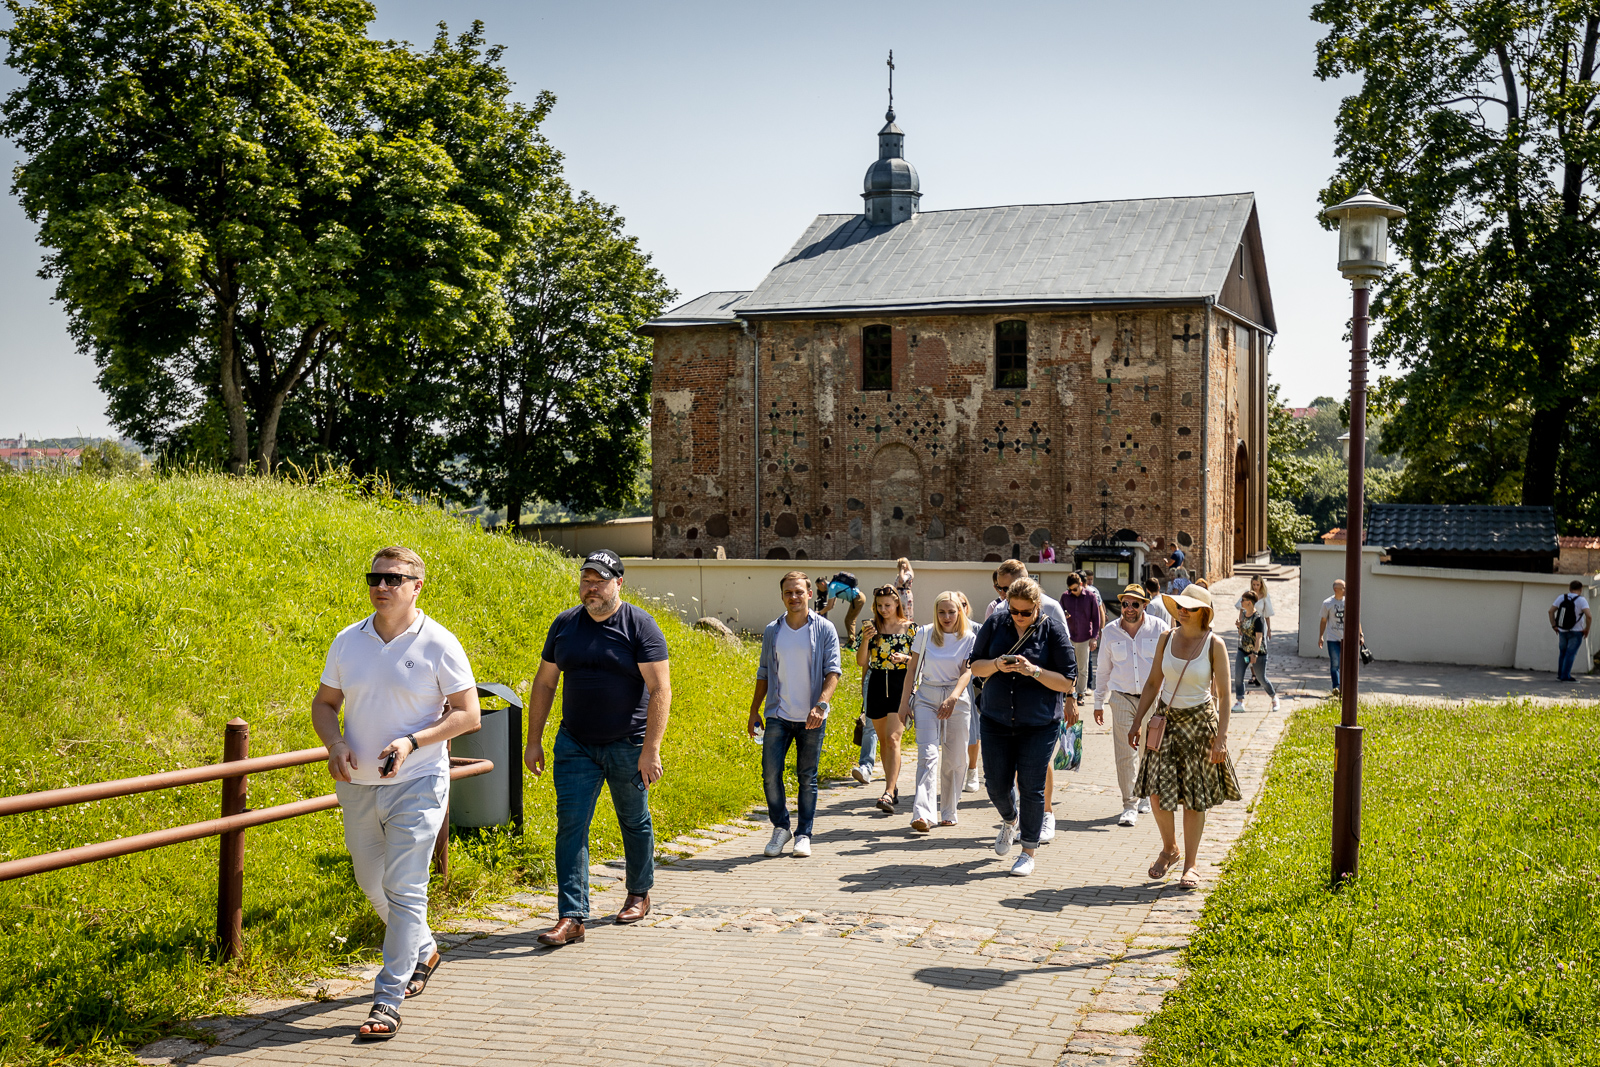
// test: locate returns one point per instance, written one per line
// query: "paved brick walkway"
(885, 947)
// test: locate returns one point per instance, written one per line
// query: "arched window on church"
(877, 367)
(1011, 355)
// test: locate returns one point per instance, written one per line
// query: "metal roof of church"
(1107, 251)
(703, 310)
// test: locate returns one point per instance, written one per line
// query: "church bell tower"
(891, 189)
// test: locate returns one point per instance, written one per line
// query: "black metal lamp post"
(1363, 255)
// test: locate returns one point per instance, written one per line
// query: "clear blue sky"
(721, 129)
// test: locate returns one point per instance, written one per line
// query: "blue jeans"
(1570, 642)
(1335, 650)
(390, 831)
(1241, 663)
(781, 733)
(1015, 760)
(580, 770)
(869, 736)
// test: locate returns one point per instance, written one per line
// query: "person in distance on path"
(795, 680)
(1252, 654)
(614, 710)
(1330, 631)
(1026, 661)
(1570, 618)
(405, 686)
(939, 661)
(1127, 650)
(1190, 766)
(1155, 608)
(830, 592)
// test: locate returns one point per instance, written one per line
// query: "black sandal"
(887, 802)
(420, 976)
(384, 1016)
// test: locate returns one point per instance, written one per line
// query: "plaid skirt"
(1181, 772)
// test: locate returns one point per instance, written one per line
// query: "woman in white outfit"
(939, 655)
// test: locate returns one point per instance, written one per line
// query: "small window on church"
(1011, 355)
(876, 365)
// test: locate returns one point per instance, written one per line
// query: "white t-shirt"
(941, 664)
(395, 689)
(1333, 611)
(792, 648)
(1580, 605)
(1263, 606)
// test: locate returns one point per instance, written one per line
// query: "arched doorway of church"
(896, 502)
(1241, 500)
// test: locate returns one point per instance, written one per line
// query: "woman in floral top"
(885, 649)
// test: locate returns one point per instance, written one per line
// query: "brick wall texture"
(1119, 427)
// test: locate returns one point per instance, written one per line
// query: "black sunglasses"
(390, 579)
(1030, 613)
(1126, 604)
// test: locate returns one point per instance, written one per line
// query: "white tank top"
(1196, 675)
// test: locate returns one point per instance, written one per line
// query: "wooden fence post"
(230, 856)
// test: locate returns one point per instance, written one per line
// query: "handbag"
(1366, 656)
(1069, 747)
(1158, 721)
(855, 738)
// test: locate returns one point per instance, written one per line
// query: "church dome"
(891, 188)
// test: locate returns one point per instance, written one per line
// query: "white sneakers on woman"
(1023, 867)
(1047, 831)
(1005, 838)
(780, 837)
(971, 784)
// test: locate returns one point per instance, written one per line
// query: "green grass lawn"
(1471, 935)
(138, 616)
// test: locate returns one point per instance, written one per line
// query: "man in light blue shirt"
(798, 673)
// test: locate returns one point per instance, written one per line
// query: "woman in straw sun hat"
(1190, 766)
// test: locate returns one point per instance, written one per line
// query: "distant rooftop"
(710, 308)
(1463, 530)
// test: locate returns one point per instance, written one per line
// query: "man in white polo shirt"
(1127, 652)
(406, 688)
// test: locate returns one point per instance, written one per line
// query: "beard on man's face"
(597, 603)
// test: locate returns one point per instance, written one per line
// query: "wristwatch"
(1037, 670)
(824, 705)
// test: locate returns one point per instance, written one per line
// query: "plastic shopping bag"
(1069, 748)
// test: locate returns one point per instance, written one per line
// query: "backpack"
(1567, 616)
(846, 578)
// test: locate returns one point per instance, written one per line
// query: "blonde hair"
(963, 615)
(903, 562)
(787, 578)
(1026, 589)
(401, 554)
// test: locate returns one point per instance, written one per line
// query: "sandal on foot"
(1163, 863)
(1190, 879)
(921, 826)
(420, 976)
(887, 802)
(947, 822)
(382, 1016)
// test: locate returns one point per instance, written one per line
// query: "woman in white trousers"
(938, 697)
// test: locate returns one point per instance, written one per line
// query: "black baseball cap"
(605, 563)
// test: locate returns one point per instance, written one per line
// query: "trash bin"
(492, 799)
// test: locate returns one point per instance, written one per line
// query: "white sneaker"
(1004, 839)
(1277, 705)
(802, 846)
(1129, 817)
(971, 784)
(1144, 806)
(1023, 867)
(1047, 832)
(1238, 705)
(780, 837)
(860, 774)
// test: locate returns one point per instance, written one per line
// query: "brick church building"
(962, 385)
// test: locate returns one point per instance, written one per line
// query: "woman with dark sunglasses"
(885, 649)
(1026, 660)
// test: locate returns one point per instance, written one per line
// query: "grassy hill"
(139, 616)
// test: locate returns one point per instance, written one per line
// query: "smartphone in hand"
(386, 768)
(1009, 660)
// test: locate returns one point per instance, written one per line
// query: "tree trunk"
(1547, 432)
(267, 446)
(514, 513)
(233, 403)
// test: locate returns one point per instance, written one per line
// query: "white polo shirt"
(395, 689)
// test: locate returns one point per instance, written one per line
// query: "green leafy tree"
(1287, 472)
(560, 410)
(235, 193)
(109, 459)
(1479, 117)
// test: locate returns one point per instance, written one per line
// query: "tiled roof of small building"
(712, 307)
(1481, 528)
(1174, 248)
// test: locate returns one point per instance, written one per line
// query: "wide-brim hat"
(1135, 590)
(1193, 597)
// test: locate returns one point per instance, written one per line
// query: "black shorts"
(883, 693)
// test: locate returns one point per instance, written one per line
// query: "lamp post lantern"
(1363, 255)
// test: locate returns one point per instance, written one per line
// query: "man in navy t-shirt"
(614, 710)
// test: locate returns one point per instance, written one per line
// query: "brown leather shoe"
(634, 908)
(565, 932)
